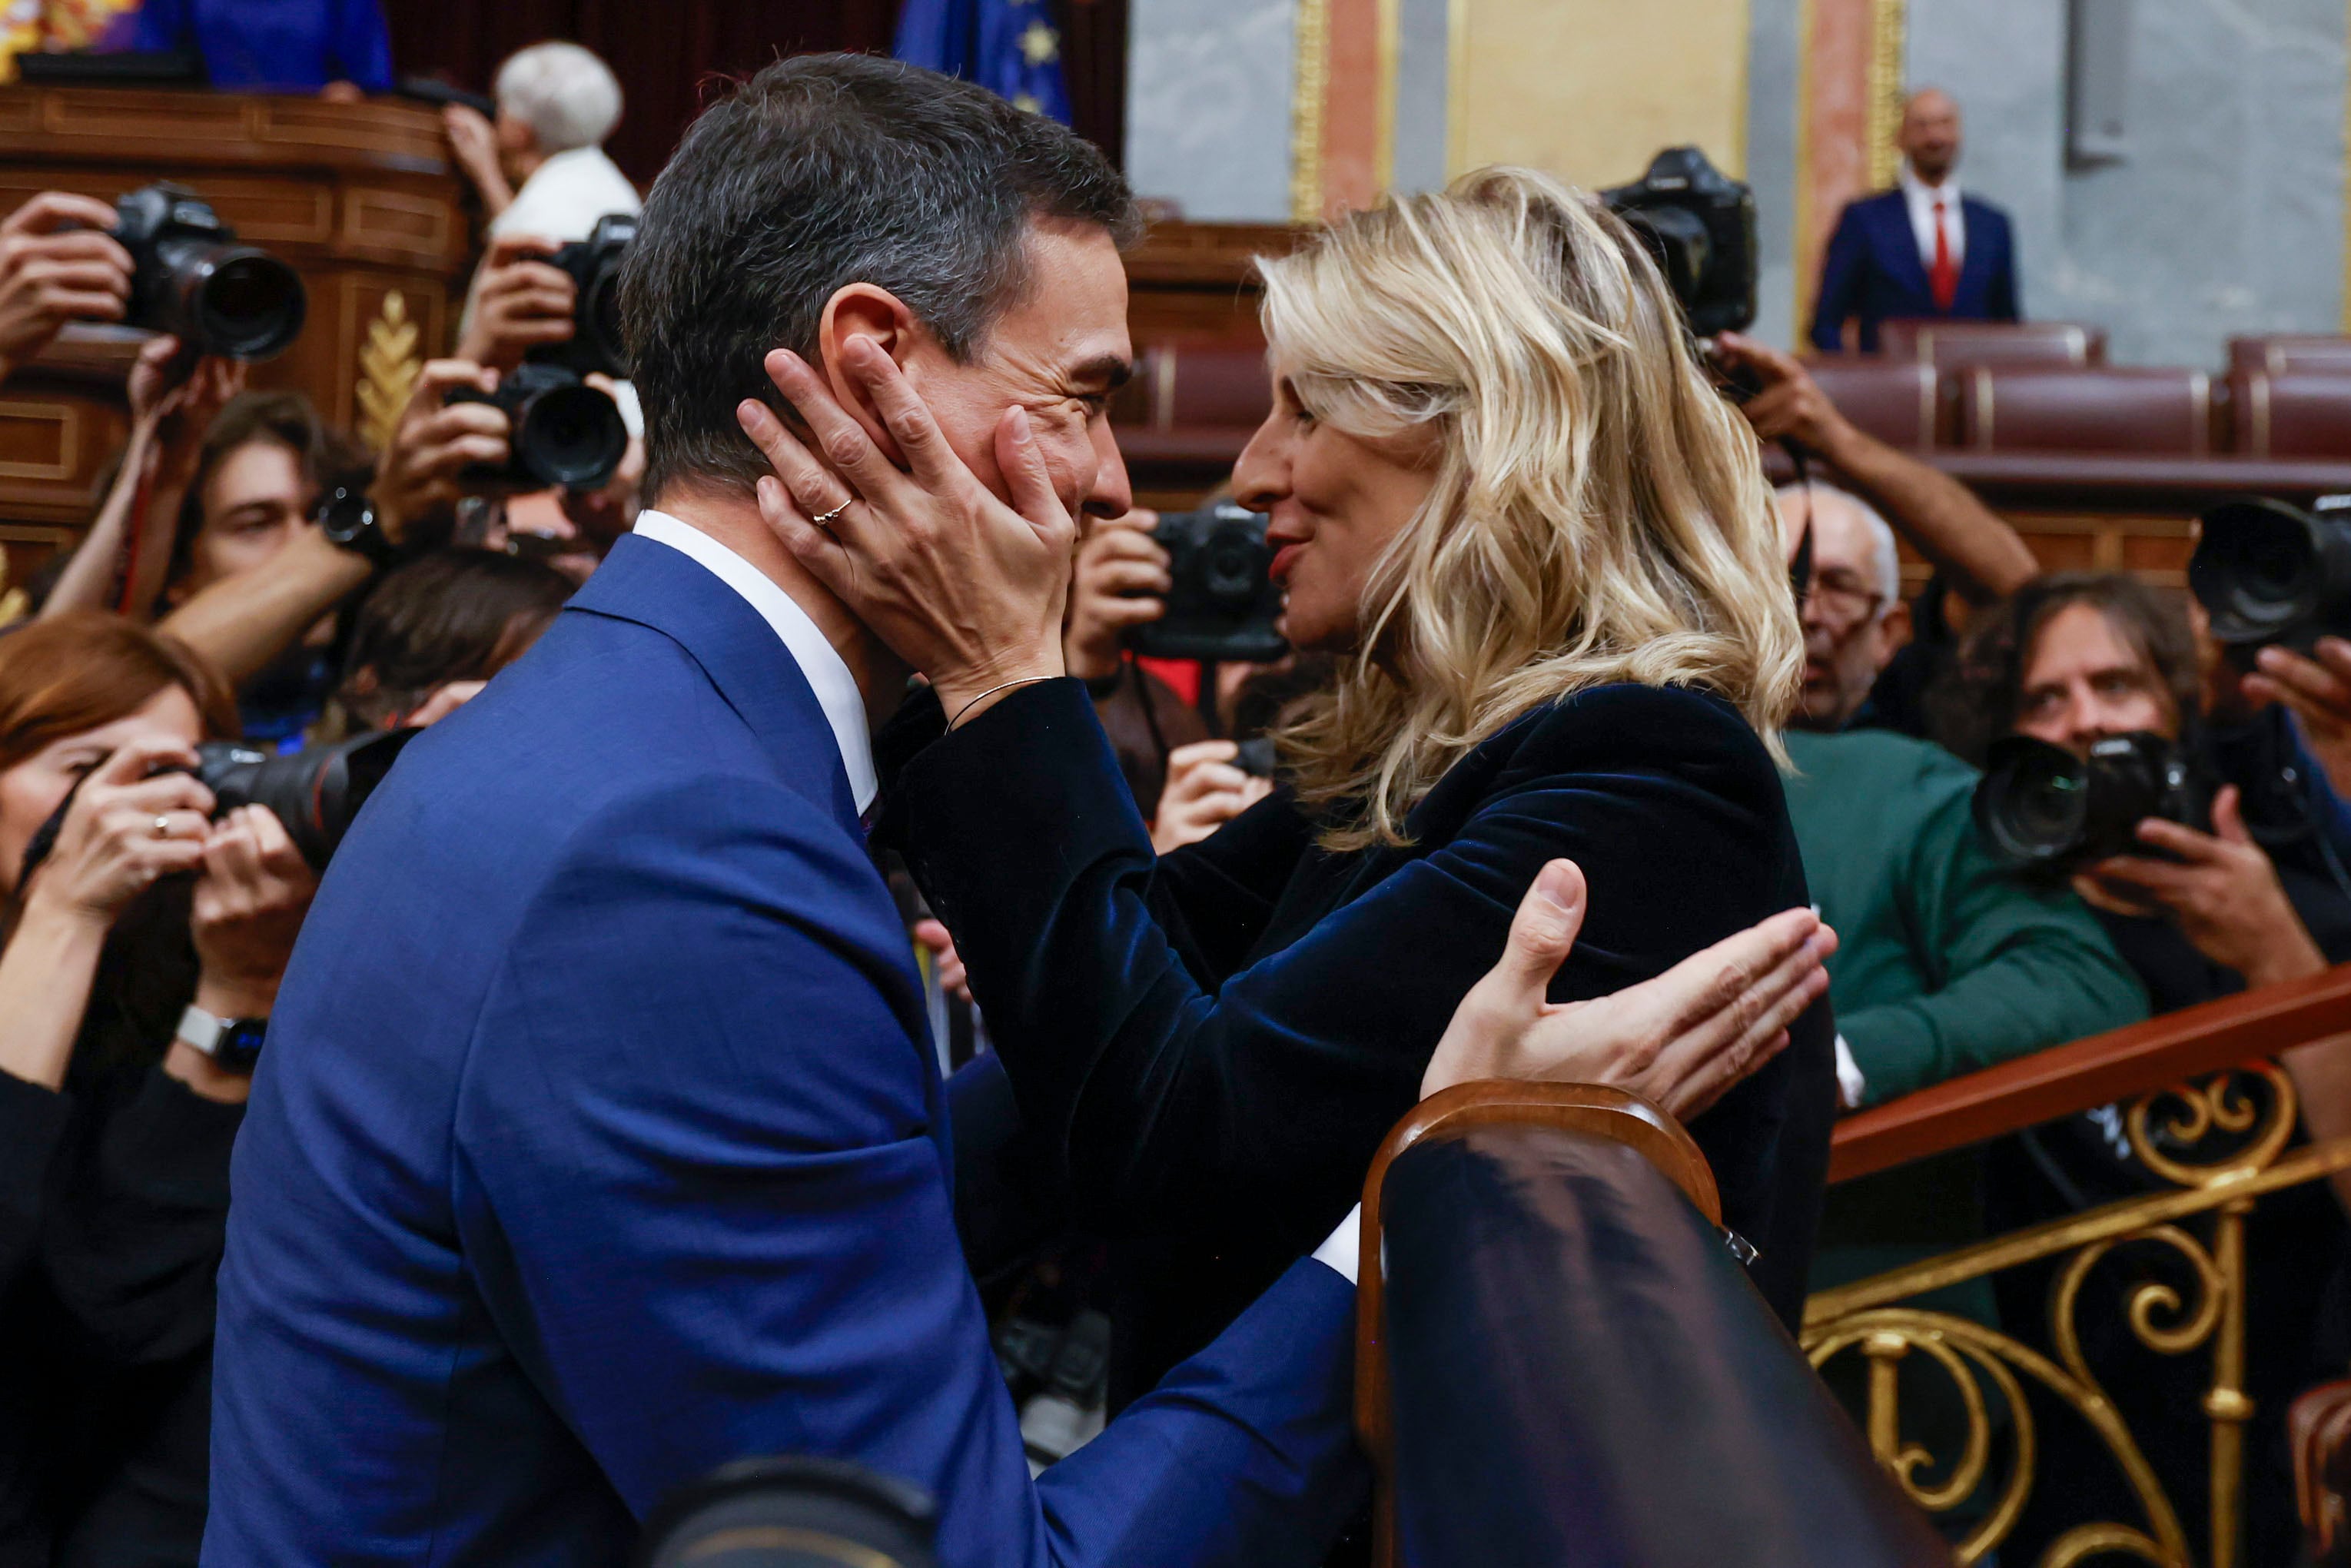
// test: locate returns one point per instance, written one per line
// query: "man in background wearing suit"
(597, 1139)
(1922, 249)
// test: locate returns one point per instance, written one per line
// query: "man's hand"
(2221, 890)
(2318, 690)
(167, 381)
(416, 476)
(474, 143)
(963, 587)
(1203, 793)
(1681, 1041)
(57, 265)
(952, 978)
(1790, 406)
(520, 302)
(1120, 577)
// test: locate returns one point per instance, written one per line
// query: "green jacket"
(1945, 963)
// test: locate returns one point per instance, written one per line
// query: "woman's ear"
(863, 311)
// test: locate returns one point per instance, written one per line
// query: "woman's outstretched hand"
(1681, 1041)
(963, 586)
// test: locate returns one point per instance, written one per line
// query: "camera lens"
(248, 306)
(571, 436)
(1233, 566)
(599, 316)
(2256, 571)
(2033, 802)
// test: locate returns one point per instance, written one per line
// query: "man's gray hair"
(1881, 536)
(565, 95)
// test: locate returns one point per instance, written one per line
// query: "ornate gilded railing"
(2216, 1137)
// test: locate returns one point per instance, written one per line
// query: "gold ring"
(163, 827)
(824, 520)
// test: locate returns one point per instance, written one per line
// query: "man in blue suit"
(598, 1140)
(1922, 249)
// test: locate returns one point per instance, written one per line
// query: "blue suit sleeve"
(160, 25)
(699, 1190)
(2006, 305)
(362, 46)
(1840, 296)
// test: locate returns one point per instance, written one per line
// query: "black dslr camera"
(1223, 604)
(2040, 807)
(2269, 572)
(191, 279)
(566, 432)
(594, 265)
(314, 792)
(1700, 225)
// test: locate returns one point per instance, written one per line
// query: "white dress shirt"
(1921, 198)
(827, 673)
(564, 195)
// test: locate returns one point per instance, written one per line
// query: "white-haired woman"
(541, 166)
(1500, 486)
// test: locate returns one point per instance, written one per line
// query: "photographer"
(2072, 659)
(432, 635)
(243, 611)
(57, 264)
(540, 167)
(117, 1103)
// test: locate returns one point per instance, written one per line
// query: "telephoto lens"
(314, 792)
(2040, 807)
(2269, 572)
(565, 433)
(791, 1513)
(191, 279)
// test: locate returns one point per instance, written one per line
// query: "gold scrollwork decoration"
(1957, 1346)
(389, 366)
(2255, 1134)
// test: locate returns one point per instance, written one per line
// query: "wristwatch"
(234, 1044)
(348, 519)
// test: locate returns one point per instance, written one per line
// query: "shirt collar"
(827, 673)
(1917, 190)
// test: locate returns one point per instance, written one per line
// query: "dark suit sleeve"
(698, 1190)
(1840, 282)
(1172, 1105)
(2005, 304)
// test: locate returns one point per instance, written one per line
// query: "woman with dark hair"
(436, 630)
(2073, 658)
(142, 943)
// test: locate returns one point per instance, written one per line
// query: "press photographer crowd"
(715, 946)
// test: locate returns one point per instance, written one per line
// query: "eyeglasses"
(1842, 603)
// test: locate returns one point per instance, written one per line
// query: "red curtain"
(669, 53)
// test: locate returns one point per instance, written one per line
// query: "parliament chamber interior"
(1863, 486)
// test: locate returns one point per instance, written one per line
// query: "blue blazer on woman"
(1873, 272)
(599, 1142)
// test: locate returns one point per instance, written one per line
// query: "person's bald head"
(1930, 137)
(1854, 618)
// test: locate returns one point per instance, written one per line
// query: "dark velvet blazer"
(1206, 1049)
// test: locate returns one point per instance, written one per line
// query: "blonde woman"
(1501, 489)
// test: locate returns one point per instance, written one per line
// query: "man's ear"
(863, 311)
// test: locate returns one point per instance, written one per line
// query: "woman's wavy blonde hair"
(1599, 513)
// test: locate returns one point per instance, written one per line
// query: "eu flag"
(1009, 46)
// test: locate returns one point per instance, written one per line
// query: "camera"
(565, 433)
(1700, 223)
(2269, 572)
(791, 1513)
(2040, 807)
(191, 279)
(314, 792)
(1223, 603)
(594, 264)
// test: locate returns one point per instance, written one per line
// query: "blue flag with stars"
(1009, 46)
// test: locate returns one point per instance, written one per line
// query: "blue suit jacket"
(1873, 272)
(599, 1142)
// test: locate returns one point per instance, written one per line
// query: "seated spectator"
(2260, 898)
(1948, 963)
(123, 905)
(434, 633)
(540, 167)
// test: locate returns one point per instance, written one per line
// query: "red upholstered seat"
(2300, 415)
(2012, 409)
(1895, 401)
(2284, 355)
(1949, 345)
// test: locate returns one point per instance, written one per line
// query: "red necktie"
(1945, 279)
